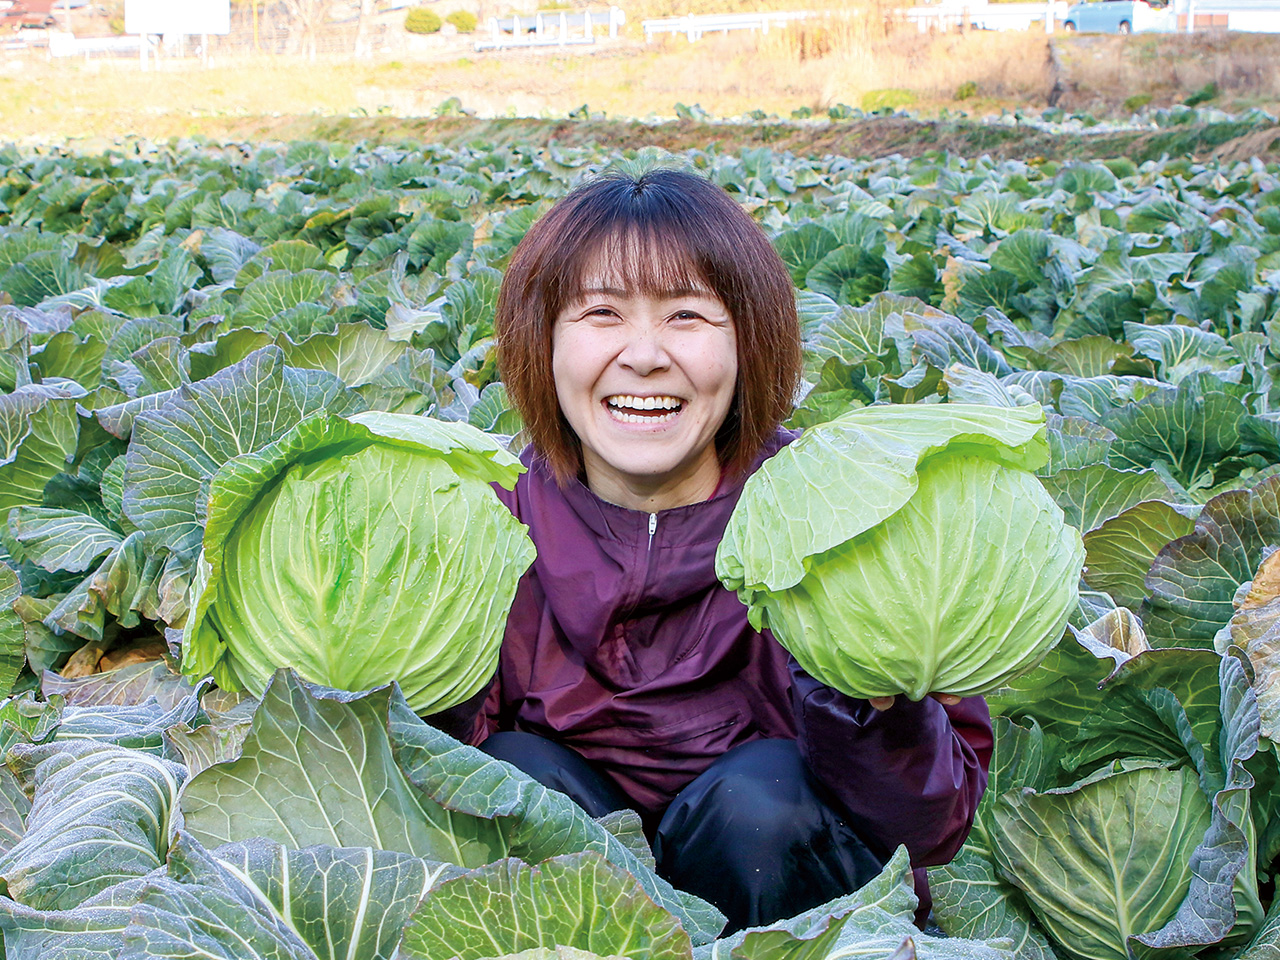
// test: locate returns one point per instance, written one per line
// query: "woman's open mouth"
(629, 409)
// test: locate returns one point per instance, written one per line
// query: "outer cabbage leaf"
(1192, 580)
(1144, 821)
(1074, 443)
(580, 900)
(59, 539)
(178, 446)
(12, 629)
(91, 931)
(1089, 496)
(38, 435)
(355, 353)
(1254, 632)
(100, 815)
(1191, 428)
(1223, 893)
(126, 686)
(323, 767)
(259, 899)
(130, 584)
(1266, 943)
(1120, 551)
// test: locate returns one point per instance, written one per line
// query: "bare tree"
(307, 15)
(364, 46)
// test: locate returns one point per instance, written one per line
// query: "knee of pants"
(758, 785)
(758, 793)
(754, 836)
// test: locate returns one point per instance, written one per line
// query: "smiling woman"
(632, 266)
(648, 335)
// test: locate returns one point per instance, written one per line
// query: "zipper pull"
(653, 528)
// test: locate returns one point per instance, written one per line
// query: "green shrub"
(422, 20)
(464, 20)
(967, 90)
(1206, 93)
(891, 99)
(1137, 102)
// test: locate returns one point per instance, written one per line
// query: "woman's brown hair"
(665, 230)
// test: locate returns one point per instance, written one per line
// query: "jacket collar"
(693, 523)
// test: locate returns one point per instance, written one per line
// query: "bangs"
(651, 259)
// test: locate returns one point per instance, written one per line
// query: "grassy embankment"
(812, 66)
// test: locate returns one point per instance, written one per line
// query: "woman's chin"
(652, 477)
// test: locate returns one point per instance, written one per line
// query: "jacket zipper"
(653, 528)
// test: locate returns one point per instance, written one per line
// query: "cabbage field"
(169, 312)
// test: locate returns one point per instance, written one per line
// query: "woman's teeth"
(650, 409)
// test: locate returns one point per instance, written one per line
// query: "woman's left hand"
(884, 703)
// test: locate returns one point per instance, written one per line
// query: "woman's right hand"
(884, 703)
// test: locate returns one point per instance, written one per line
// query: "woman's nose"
(645, 352)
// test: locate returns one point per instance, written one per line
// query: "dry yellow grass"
(852, 58)
(811, 66)
(1245, 67)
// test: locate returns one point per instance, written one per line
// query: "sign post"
(179, 18)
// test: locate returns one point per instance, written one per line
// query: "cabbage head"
(358, 552)
(907, 549)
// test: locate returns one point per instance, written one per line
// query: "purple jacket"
(623, 645)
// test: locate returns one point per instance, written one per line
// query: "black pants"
(752, 834)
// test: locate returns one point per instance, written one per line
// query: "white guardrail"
(63, 44)
(552, 29)
(694, 27)
(978, 15)
(1048, 15)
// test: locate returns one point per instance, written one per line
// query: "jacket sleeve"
(912, 774)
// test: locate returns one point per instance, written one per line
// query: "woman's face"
(646, 382)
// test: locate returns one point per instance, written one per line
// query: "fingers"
(884, 703)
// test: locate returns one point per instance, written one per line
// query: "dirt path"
(873, 137)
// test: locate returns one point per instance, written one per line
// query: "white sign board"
(177, 16)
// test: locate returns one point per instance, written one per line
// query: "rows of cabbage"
(177, 309)
(143, 817)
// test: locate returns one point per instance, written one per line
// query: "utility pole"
(363, 46)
